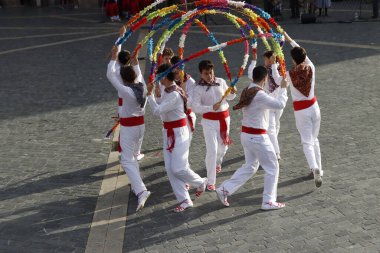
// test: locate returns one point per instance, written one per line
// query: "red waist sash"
(132, 121)
(191, 123)
(251, 130)
(221, 116)
(169, 126)
(303, 104)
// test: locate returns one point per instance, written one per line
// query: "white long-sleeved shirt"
(277, 78)
(203, 101)
(139, 78)
(256, 114)
(130, 107)
(296, 95)
(171, 107)
(190, 85)
(250, 69)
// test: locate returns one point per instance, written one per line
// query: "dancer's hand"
(272, 60)
(254, 55)
(216, 106)
(114, 53)
(157, 91)
(287, 37)
(233, 90)
(284, 83)
(134, 61)
(150, 87)
(122, 31)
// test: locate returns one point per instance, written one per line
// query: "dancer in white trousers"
(131, 121)
(215, 118)
(258, 149)
(123, 59)
(188, 85)
(176, 139)
(306, 108)
(272, 87)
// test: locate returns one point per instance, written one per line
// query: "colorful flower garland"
(260, 20)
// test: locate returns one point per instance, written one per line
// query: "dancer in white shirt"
(306, 109)
(176, 139)
(123, 59)
(131, 121)
(258, 149)
(272, 87)
(215, 118)
(188, 85)
(166, 56)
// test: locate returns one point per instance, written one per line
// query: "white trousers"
(258, 149)
(177, 164)
(129, 142)
(215, 149)
(274, 128)
(138, 147)
(308, 122)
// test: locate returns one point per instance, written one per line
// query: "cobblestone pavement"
(55, 105)
(342, 216)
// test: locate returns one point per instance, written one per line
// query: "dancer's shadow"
(157, 217)
(76, 177)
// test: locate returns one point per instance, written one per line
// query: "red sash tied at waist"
(221, 116)
(191, 123)
(169, 126)
(303, 104)
(132, 121)
(251, 130)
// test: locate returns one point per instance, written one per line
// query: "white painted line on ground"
(46, 16)
(74, 18)
(53, 28)
(325, 43)
(43, 35)
(56, 43)
(108, 225)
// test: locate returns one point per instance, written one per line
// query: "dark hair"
(259, 73)
(268, 54)
(162, 68)
(168, 52)
(205, 65)
(175, 59)
(124, 57)
(128, 74)
(298, 54)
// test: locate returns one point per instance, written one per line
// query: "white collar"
(254, 85)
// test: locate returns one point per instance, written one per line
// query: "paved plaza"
(56, 106)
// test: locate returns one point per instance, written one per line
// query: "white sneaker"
(317, 178)
(142, 199)
(272, 206)
(183, 206)
(201, 189)
(222, 196)
(139, 157)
